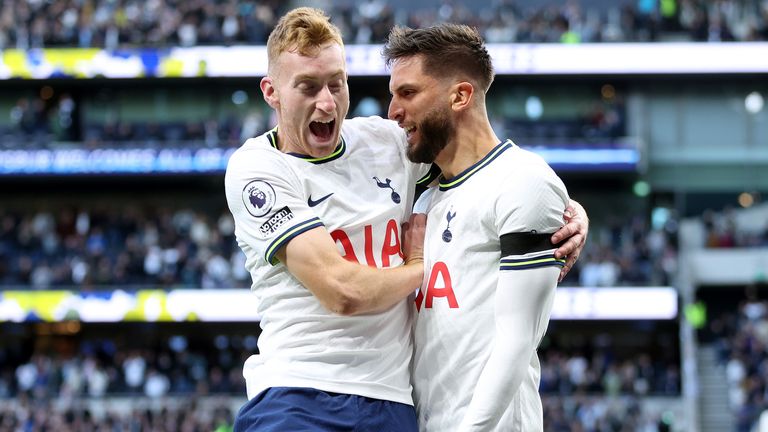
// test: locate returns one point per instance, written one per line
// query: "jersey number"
(446, 290)
(389, 247)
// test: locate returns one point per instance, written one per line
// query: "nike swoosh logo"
(313, 203)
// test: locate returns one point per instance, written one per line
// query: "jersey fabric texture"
(361, 193)
(497, 204)
(281, 409)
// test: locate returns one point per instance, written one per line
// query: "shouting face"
(310, 96)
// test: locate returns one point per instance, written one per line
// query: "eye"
(336, 86)
(307, 87)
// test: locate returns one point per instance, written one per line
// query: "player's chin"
(322, 145)
(415, 152)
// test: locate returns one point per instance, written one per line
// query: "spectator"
(110, 25)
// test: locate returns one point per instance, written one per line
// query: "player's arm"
(280, 227)
(349, 288)
(574, 233)
(523, 303)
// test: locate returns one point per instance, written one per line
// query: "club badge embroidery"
(447, 236)
(388, 184)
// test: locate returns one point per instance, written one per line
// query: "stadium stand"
(132, 248)
(196, 382)
(106, 24)
(158, 230)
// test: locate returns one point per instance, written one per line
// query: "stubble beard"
(435, 130)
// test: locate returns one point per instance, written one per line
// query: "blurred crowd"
(126, 246)
(229, 132)
(97, 368)
(742, 343)
(721, 230)
(593, 414)
(576, 392)
(113, 24)
(35, 415)
(631, 252)
(577, 414)
(580, 414)
(603, 373)
(141, 246)
(35, 123)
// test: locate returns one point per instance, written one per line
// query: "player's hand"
(575, 232)
(413, 238)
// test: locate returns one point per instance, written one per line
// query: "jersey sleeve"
(528, 212)
(267, 202)
(523, 303)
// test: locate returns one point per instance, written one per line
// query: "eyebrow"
(310, 77)
(402, 87)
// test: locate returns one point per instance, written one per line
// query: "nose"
(395, 112)
(325, 101)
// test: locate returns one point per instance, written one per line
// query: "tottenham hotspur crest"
(447, 236)
(258, 197)
(388, 184)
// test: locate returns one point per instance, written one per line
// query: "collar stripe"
(446, 184)
(433, 173)
(337, 152)
(273, 137)
(340, 148)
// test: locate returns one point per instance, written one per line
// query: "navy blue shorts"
(296, 409)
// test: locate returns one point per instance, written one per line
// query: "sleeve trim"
(547, 260)
(287, 236)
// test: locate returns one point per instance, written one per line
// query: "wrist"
(415, 260)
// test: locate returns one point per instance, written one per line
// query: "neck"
(473, 140)
(282, 141)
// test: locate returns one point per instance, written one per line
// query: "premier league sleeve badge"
(258, 197)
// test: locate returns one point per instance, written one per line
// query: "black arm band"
(523, 243)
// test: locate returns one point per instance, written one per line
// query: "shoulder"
(374, 125)
(527, 182)
(422, 204)
(525, 167)
(528, 160)
(529, 192)
(254, 156)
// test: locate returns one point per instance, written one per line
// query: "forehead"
(408, 71)
(328, 60)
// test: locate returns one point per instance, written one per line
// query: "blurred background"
(124, 303)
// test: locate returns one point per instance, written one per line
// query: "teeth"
(324, 121)
(410, 129)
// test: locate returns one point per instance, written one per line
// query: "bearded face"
(436, 128)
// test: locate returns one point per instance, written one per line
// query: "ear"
(461, 95)
(270, 93)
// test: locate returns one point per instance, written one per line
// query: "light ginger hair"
(303, 30)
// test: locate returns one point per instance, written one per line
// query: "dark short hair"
(448, 49)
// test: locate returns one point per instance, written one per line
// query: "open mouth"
(409, 131)
(322, 130)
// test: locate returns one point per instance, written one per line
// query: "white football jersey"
(509, 191)
(361, 193)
